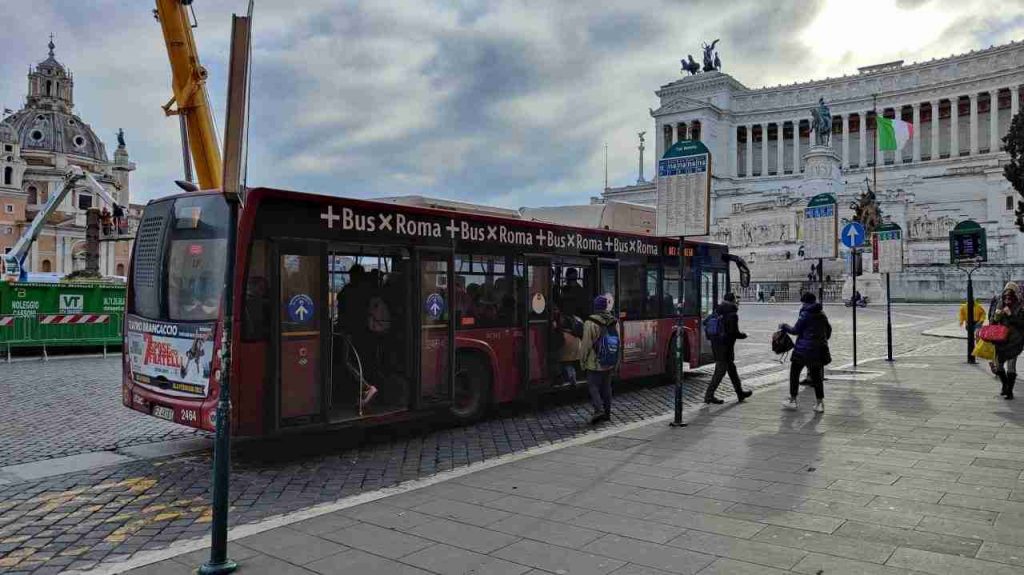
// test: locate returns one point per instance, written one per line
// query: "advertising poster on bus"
(178, 355)
(820, 228)
(684, 190)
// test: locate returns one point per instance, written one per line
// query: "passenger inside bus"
(369, 346)
(571, 302)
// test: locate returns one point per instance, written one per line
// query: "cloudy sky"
(503, 102)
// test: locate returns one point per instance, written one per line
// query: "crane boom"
(190, 95)
(14, 260)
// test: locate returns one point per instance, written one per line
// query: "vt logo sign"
(71, 303)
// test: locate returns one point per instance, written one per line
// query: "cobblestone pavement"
(69, 406)
(916, 467)
(79, 519)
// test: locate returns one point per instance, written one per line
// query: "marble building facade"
(951, 169)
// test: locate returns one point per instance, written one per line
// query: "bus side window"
(670, 291)
(632, 280)
(256, 308)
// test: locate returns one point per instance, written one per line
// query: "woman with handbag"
(1006, 332)
(812, 331)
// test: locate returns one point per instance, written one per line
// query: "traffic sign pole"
(888, 317)
(853, 298)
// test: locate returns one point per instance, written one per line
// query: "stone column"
(897, 155)
(935, 129)
(680, 132)
(973, 135)
(1014, 100)
(954, 127)
(916, 120)
(750, 150)
(846, 141)
(993, 121)
(780, 140)
(863, 148)
(796, 147)
(734, 160)
(764, 149)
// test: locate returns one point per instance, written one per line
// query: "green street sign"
(968, 243)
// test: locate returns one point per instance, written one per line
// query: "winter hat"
(600, 303)
(808, 297)
(730, 297)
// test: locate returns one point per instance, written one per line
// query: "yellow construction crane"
(190, 100)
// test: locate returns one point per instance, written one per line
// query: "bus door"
(300, 318)
(608, 284)
(708, 300)
(538, 326)
(436, 297)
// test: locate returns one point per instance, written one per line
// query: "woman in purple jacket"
(812, 331)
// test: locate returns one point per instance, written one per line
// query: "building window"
(84, 201)
(8, 148)
(79, 141)
(120, 270)
(47, 266)
(36, 135)
(1009, 203)
(33, 195)
(8, 175)
(9, 208)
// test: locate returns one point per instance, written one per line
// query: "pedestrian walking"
(979, 314)
(723, 345)
(600, 347)
(812, 331)
(1011, 315)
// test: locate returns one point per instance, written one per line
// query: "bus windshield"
(197, 257)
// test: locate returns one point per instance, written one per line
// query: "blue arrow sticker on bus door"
(300, 308)
(434, 306)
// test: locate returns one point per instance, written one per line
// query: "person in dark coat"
(812, 331)
(724, 349)
(1010, 314)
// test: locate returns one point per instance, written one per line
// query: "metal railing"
(60, 330)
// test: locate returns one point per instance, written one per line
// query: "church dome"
(55, 131)
(47, 122)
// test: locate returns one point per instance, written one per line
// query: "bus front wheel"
(472, 387)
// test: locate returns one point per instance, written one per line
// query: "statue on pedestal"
(709, 55)
(822, 123)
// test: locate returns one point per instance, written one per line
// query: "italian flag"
(893, 134)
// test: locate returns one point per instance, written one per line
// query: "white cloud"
(506, 101)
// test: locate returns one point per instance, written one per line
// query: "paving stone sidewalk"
(914, 468)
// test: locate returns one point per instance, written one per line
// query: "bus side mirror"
(741, 266)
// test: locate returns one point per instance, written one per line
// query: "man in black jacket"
(724, 348)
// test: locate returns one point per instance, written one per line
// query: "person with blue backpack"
(722, 328)
(600, 349)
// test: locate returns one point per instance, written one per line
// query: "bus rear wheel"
(471, 395)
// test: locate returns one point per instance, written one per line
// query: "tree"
(1014, 171)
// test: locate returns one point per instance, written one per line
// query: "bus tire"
(472, 392)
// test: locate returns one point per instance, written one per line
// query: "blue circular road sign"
(852, 235)
(300, 308)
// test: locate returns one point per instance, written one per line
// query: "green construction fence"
(58, 315)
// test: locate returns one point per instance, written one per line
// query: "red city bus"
(360, 311)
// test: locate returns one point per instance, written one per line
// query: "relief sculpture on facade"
(926, 228)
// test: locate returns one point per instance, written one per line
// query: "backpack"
(713, 328)
(379, 316)
(606, 347)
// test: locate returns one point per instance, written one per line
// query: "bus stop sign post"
(968, 244)
(677, 421)
(234, 139)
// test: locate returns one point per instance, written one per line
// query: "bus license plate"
(163, 412)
